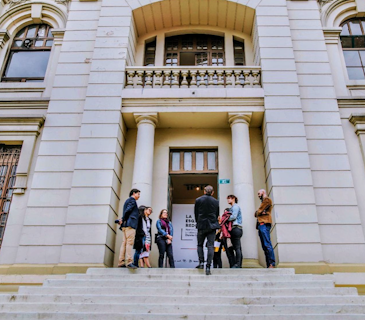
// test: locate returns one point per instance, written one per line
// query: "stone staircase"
(155, 294)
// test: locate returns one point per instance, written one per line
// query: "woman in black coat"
(143, 238)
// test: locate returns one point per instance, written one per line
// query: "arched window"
(29, 54)
(353, 44)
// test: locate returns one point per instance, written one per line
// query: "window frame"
(195, 50)
(353, 48)
(33, 48)
(193, 164)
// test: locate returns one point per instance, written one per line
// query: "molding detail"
(149, 118)
(13, 3)
(332, 35)
(4, 37)
(244, 117)
(65, 2)
(358, 120)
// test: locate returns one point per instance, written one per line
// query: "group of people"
(136, 226)
(220, 232)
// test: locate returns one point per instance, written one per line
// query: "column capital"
(358, 120)
(242, 117)
(150, 118)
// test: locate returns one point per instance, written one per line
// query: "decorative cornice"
(13, 3)
(358, 120)
(244, 117)
(146, 118)
(21, 124)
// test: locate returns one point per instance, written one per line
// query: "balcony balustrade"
(193, 77)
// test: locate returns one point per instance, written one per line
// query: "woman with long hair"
(142, 242)
(164, 238)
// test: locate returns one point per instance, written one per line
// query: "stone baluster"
(202, 78)
(148, 82)
(130, 78)
(229, 83)
(184, 82)
(140, 78)
(158, 79)
(256, 79)
(175, 79)
(237, 74)
(167, 81)
(220, 82)
(211, 77)
(246, 78)
(193, 74)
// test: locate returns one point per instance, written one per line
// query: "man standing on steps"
(264, 221)
(206, 212)
(128, 225)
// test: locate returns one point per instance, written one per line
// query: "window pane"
(39, 43)
(355, 27)
(199, 161)
(42, 31)
(346, 42)
(355, 73)
(362, 55)
(352, 58)
(176, 161)
(188, 161)
(18, 43)
(20, 34)
(50, 35)
(6, 206)
(49, 43)
(345, 30)
(359, 42)
(211, 161)
(31, 31)
(28, 64)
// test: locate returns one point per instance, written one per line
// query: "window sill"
(355, 84)
(15, 87)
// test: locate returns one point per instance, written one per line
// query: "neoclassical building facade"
(167, 96)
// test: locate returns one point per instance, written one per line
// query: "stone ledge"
(43, 269)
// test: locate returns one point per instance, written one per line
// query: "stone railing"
(193, 77)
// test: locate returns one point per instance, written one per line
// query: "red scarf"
(165, 223)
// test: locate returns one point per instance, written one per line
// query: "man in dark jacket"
(206, 216)
(128, 225)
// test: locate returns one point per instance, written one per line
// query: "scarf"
(165, 224)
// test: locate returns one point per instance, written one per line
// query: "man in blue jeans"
(264, 221)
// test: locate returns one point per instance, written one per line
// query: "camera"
(116, 221)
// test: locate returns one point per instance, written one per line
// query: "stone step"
(165, 299)
(190, 284)
(224, 271)
(168, 316)
(214, 291)
(182, 309)
(195, 277)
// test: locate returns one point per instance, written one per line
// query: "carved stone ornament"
(65, 2)
(13, 3)
(323, 2)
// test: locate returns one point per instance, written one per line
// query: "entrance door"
(186, 188)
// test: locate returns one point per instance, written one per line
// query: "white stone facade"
(92, 130)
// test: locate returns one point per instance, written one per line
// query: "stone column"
(143, 161)
(243, 184)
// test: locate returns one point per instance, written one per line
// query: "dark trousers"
(136, 257)
(264, 234)
(162, 248)
(236, 235)
(217, 258)
(208, 234)
(229, 253)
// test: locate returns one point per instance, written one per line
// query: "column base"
(251, 263)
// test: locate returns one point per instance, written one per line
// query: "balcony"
(193, 77)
